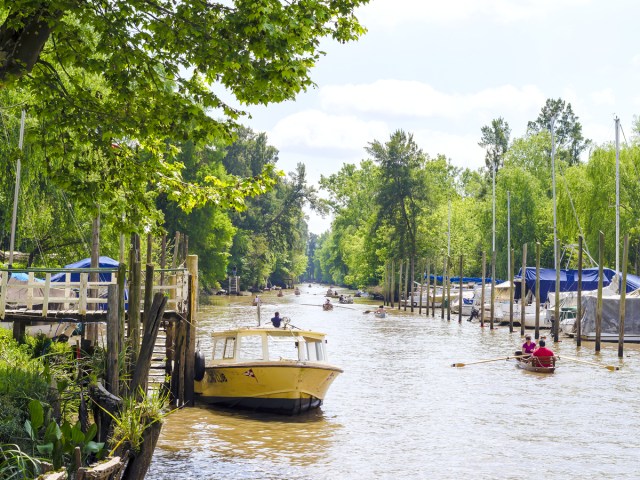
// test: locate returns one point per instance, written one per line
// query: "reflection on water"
(401, 411)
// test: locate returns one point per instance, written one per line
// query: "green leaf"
(93, 447)
(91, 433)
(46, 449)
(36, 412)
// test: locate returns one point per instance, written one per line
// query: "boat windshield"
(314, 350)
(282, 347)
(223, 348)
(250, 347)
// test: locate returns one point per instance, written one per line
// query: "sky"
(443, 69)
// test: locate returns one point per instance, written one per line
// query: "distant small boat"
(297, 291)
(347, 299)
(380, 314)
(327, 306)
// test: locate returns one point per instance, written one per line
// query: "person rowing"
(528, 347)
(543, 356)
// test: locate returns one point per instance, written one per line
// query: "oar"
(573, 359)
(485, 361)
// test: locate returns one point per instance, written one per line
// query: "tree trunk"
(22, 37)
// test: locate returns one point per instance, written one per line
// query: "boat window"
(229, 347)
(315, 352)
(218, 348)
(282, 348)
(250, 347)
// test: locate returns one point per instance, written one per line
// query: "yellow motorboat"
(280, 370)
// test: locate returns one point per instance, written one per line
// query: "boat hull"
(286, 388)
(531, 368)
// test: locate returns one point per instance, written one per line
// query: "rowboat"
(278, 370)
(380, 314)
(327, 306)
(530, 366)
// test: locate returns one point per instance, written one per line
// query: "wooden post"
(623, 296)
(122, 272)
(448, 290)
(484, 276)
(428, 285)
(435, 287)
(149, 247)
(413, 280)
(134, 312)
(493, 287)
(113, 335)
(190, 341)
(148, 293)
(523, 289)
(512, 287)
(400, 285)
(460, 292)
(421, 287)
(599, 301)
(406, 286)
(163, 258)
(444, 283)
(556, 320)
(579, 306)
(537, 332)
(176, 245)
(393, 281)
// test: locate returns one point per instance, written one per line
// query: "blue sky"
(443, 69)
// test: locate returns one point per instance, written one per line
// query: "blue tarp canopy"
(464, 279)
(633, 282)
(568, 280)
(103, 262)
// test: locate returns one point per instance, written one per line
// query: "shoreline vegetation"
(55, 414)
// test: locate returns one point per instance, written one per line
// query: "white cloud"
(391, 13)
(316, 129)
(463, 150)
(603, 97)
(417, 99)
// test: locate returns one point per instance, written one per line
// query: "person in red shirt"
(542, 356)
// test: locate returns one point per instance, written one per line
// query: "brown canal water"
(400, 410)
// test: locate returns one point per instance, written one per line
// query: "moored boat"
(279, 370)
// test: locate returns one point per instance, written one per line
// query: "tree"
(402, 191)
(567, 129)
(134, 73)
(495, 139)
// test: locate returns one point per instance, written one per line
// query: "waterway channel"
(401, 411)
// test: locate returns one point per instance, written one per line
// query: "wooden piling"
(511, 291)
(435, 286)
(448, 290)
(599, 300)
(413, 280)
(122, 272)
(493, 287)
(190, 347)
(428, 285)
(148, 293)
(149, 247)
(421, 287)
(444, 283)
(484, 276)
(579, 306)
(406, 286)
(400, 285)
(556, 313)
(523, 290)
(393, 280)
(135, 292)
(113, 335)
(163, 257)
(537, 332)
(460, 292)
(623, 296)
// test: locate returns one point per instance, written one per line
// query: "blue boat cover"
(568, 280)
(103, 262)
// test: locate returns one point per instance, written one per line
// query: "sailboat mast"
(553, 182)
(509, 235)
(449, 232)
(16, 193)
(617, 120)
(494, 204)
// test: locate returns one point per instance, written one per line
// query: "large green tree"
(568, 130)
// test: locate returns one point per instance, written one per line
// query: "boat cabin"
(272, 344)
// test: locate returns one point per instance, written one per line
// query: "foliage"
(495, 139)
(16, 464)
(568, 130)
